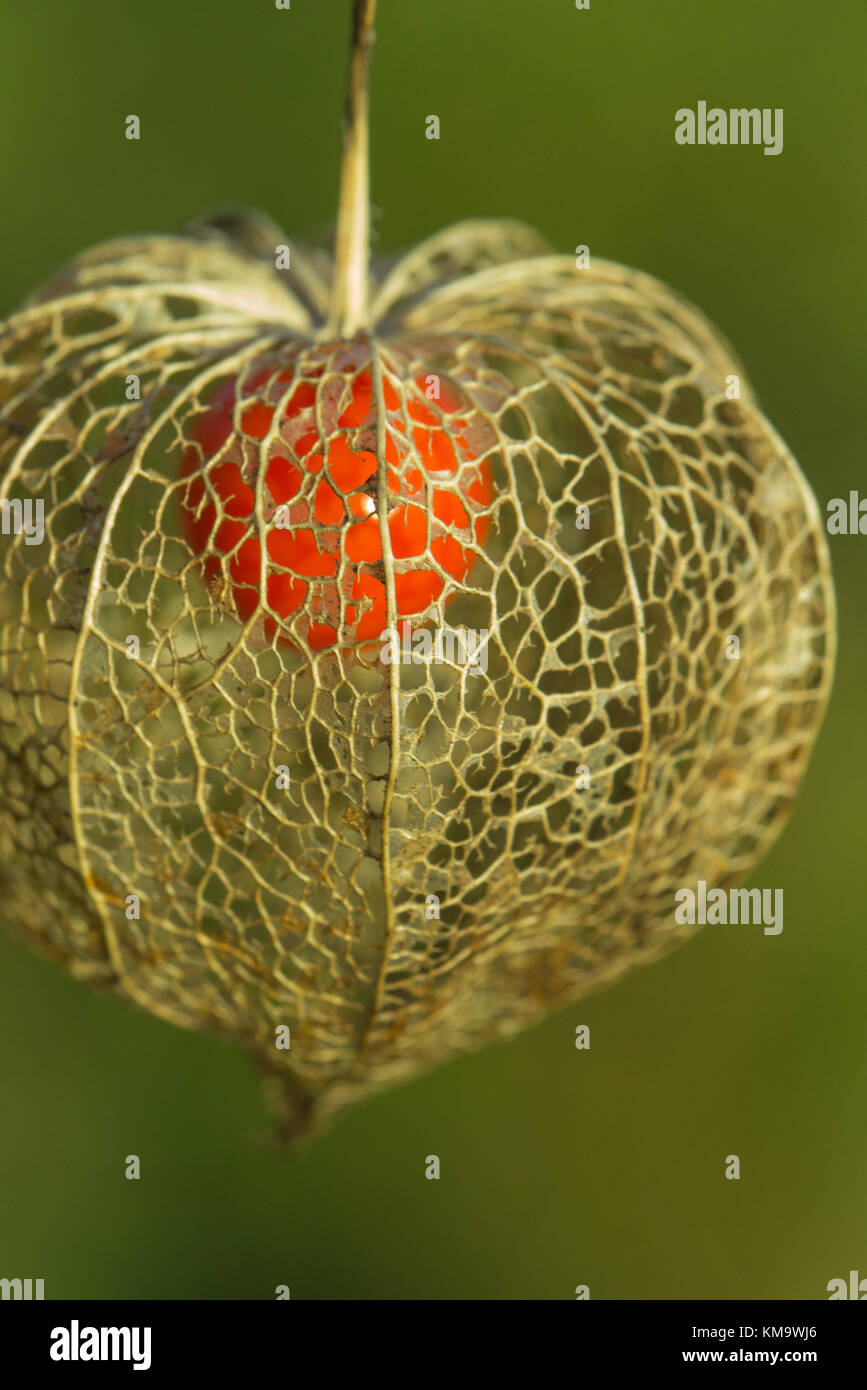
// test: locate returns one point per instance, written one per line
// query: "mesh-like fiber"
(157, 776)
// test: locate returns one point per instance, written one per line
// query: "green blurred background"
(558, 1167)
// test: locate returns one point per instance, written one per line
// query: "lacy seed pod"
(230, 795)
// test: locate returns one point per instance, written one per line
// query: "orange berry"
(324, 556)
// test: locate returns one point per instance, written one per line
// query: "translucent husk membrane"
(156, 776)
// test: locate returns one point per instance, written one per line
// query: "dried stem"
(349, 301)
